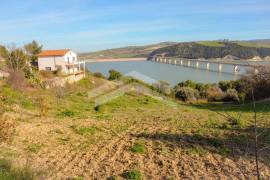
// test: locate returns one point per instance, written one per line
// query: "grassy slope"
(241, 43)
(253, 44)
(126, 52)
(130, 134)
(211, 43)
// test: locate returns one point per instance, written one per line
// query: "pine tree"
(33, 49)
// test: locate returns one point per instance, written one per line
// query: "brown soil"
(165, 155)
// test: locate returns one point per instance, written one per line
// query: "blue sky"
(89, 25)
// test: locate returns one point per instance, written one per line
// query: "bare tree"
(16, 59)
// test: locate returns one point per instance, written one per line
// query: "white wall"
(54, 61)
(51, 62)
(70, 57)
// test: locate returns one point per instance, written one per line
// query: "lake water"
(166, 72)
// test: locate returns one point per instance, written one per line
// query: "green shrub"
(114, 75)
(187, 83)
(242, 97)
(202, 88)
(231, 95)
(187, 94)
(133, 175)
(237, 122)
(225, 85)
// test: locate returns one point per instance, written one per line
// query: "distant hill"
(200, 49)
(216, 49)
(255, 43)
(126, 52)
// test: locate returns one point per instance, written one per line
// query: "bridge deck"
(214, 62)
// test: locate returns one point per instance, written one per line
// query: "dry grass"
(132, 136)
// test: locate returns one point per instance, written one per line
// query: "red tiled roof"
(48, 53)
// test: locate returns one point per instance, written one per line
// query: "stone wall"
(61, 81)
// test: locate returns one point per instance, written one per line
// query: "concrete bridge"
(195, 63)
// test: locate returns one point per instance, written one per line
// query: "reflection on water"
(166, 72)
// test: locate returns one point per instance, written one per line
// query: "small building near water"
(64, 60)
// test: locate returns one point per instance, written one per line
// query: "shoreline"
(116, 60)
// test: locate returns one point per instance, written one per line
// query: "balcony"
(76, 63)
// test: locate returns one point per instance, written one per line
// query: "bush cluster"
(223, 91)
(114, 75)
(187, 94)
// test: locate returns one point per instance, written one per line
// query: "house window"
(73, 58)
(48, 68)
(68, 59)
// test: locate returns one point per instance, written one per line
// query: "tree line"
(194, 50)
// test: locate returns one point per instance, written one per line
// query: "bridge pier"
(219, 67)
(197, 64)
(235, 69)
(208, 66)
(188, 64)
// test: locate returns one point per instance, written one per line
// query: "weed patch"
(195, 150)
(27, 104)
(133, 175)
(34, 148)
(84, 130)
(138, 147)
(67, 113)
(64, 140)
(224, 151)
(9, 173)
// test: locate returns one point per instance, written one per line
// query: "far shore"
(116, 59)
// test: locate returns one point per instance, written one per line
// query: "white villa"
(64, 59)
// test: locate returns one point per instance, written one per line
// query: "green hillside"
(215, 49)
(206, 49)
(126, 52)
